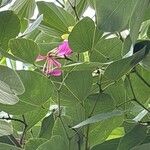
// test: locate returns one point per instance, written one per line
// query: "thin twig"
(24, 130)
(60, 3)
(74, 9)
(137, 73)
(135, 99)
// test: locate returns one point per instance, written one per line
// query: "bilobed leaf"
(131, 139)
(84, 36)
(137, 18)
(38, 89)
(119, 68)
(5, 128)
(79, 83)
(106, 50)
(56, 17)
(25, 49)
(9, 27)
(113, 15)
(46, 127)
(55, 143)
(99, 117)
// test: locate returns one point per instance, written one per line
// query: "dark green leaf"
(142, 147)
(8, 147)
(9, 27)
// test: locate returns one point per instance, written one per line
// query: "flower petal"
(55, 72)
(64, 49)
(40, 58)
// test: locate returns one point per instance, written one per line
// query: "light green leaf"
(33, 144)
(108, 145)
(131, 139)
(25, 49)
(4, 2)
(137, 18)
(121, 67)
(56, 17)
(5, 128)
(11, 78)
(99, 117)
(9, 27)
(55, 143)
(33, 26)
(6, 94)
(113, 15)
(84, 36)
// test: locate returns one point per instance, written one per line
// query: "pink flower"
(52, 65)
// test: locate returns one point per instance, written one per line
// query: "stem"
(135, 99)
(60, 3)
(13, 119)
(136, 72)
(24, 130)
(14, 140)
(74, 9)
(87, 138)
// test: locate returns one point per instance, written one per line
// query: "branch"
(74, 9)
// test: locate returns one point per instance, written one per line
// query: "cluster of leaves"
(101, 101)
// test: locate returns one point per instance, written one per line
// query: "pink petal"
(56, 63)
(64, 49)
(40, 58)
(55, 73)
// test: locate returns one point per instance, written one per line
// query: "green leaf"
(79, 83)
(56, 17)
(113, 15)
(25, 10)
(84, 36)
(104, 103)
(142, 147)
(8, 147)
(25, 49)
(55, 143)
(108, 145)
(33, 26)
(99, 117)
(119, 68)
(9, 27)
(5, 128)
(131, 139)
(4, 2)
(19, 108)
(6, 94)
(106, 50)
(137, 18)
(11, 78)
(100, 131)
(33, 144)
(46, 127)
(38, 89)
